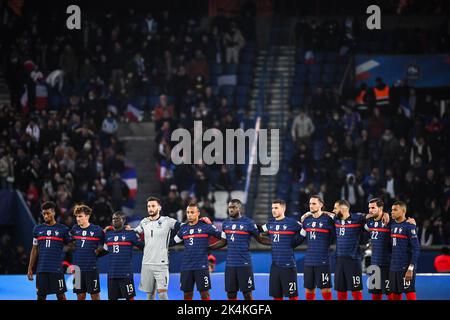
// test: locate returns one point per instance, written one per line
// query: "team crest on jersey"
(284, 227)
(241, 227)
(320, 224)
(199, 230)
(123, 238)
(116, 238)
(400, 230)
(313, 224)
(233, 227)
(84, 233)
(92, 233)
(191, 231)
(49, 232)
(56, 233)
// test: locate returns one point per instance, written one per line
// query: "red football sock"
(390, 296)
(232, 299)
(277, 298)
(411, 296)
(208, 298)
(397, 296)
(357, 295)
(327, 296)
(310, 296)
(377, 296)
(342, 295)
(293, 298)
(187, 298)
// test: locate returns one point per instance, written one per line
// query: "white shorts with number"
(154, 277)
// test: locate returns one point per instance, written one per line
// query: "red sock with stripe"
(310, 296)
(327, 296)
(357, 295)
(390, 296)
(293, 298)
(207, 298)
(411, 296)
(342, 295)
(397, 296)
(377, 296)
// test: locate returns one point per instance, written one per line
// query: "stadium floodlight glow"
(233, 147)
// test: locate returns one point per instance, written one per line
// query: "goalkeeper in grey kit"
(158, 230)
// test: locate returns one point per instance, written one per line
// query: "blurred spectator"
(233, 41)
(426, 233)
(442, 262)
(302, 128)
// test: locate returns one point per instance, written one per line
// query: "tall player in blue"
(405, 254)
(194, 266)
(89, 239)
(318, 229)
(283, 271)
(237, 232)
(119, 243)
(49, 239)
(380, 238)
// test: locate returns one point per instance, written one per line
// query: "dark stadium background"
(104, 134)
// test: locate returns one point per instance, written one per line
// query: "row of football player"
(395, 251)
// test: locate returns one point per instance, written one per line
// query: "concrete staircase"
(138, 139)
(280, 71)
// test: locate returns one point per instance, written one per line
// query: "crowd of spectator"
(357, 149)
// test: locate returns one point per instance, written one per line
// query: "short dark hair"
(316, 196)
(400, 203)
(119, 213)
(280, 202)
(378, 202)
(82, 208)
(48, 205)
(343, 202)
(236, 201)
(194, 204)
(154, 199)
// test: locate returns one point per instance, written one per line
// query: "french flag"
(134, 114)
(41, 98)
(129, 176)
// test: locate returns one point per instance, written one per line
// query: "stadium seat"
(230, 68)
(238, 194)
(221, 204)
(245, 68)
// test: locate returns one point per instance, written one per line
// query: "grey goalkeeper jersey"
(157, 238)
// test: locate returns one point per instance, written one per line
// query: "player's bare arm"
(263, 240)
(33, 258)
(218, 245)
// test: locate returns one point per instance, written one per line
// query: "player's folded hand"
(108, 228)
(412, 221)
(206, 220)
(128, 227)
(30, 275)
